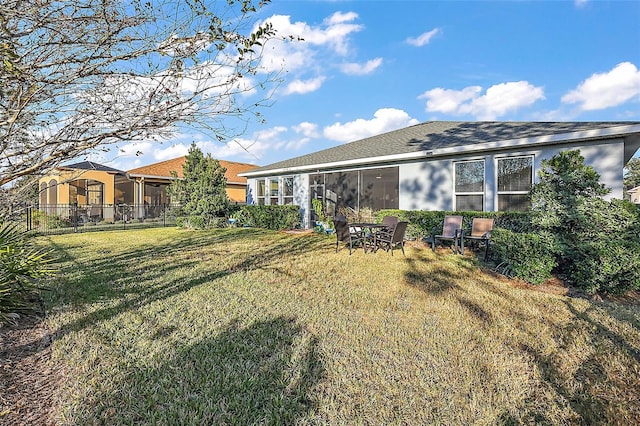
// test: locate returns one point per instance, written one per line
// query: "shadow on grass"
(602, 389)
(260, 374)
(120, 282)
(441, 277)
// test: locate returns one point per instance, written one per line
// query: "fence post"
(74, 210)
(29, 220)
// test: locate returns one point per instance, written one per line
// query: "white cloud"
(498, 100)
(384, 120)
(309, 130)
(135, 149)
(423, 38)
(341, 18)
(604, 90)
(172, 151)
(580, 3)
(332, 34)
(304, 86)
(306, 51)
(449, 101)
(361, 69)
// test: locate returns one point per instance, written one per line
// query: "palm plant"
(22, 265)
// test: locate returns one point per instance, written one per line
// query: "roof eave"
(142, 176)
(607, 133)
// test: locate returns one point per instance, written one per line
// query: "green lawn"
(246, 326)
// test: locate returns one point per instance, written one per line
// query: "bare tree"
(79, 75)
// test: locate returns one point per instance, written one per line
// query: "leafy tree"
(203, 190)
(76, 75)
(596, 241)
(632, 173)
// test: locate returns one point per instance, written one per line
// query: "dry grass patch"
(246, 326)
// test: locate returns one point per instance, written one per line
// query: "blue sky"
(368, 67)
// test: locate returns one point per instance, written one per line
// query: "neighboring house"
(151, 181)
(634, 194)
(485, 166)
(99, 189)
(88, 184)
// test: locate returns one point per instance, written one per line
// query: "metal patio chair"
(388, 240)
(480, 234)
(347, 234)
(451, 231)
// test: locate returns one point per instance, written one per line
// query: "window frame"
(262, 197)
(286, 197)
(476, 193)
(273, 189)
(511, 192)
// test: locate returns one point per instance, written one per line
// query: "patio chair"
(480, 234)
(387, 241)
(451, 230)
(390, 223)
(348, 234)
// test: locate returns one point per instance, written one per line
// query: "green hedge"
(268, 217)
(422, 222)
(525, 255)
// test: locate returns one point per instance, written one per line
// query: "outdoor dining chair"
(387, 241)
(451, 231)
(347, 234)
(480, 234)
(389, 223)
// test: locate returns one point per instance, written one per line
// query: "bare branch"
(77, 75)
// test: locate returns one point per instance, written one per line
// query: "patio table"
(372, 227)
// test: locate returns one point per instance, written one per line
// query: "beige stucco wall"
(63, 177)
(237, 193)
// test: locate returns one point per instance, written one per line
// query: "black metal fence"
(62, 218)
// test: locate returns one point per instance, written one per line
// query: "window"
(43, 194)
(94, 192)
(53, 192)
(261, 191)
(469, 185)
(273, 192)
(287, 190)
(373, 189)
(379, 188)
(515, 177)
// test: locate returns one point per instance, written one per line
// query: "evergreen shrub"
(268, 217)
(525, 255)
(598, 241)
(422, 222)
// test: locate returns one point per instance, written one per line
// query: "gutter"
(607, 133)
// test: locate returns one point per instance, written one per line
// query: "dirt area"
(28, 379)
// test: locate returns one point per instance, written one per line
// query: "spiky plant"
(22, 265)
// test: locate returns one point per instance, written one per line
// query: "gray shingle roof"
(435, 135)
(90, 165)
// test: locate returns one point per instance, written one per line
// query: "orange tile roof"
(164, 169)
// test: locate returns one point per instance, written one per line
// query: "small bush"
(268, 217)
(21, 266)
(524, 255)
(605, 266)
(191, 222)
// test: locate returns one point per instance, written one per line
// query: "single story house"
(151, 181)
(99, 189)
(483, 166)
